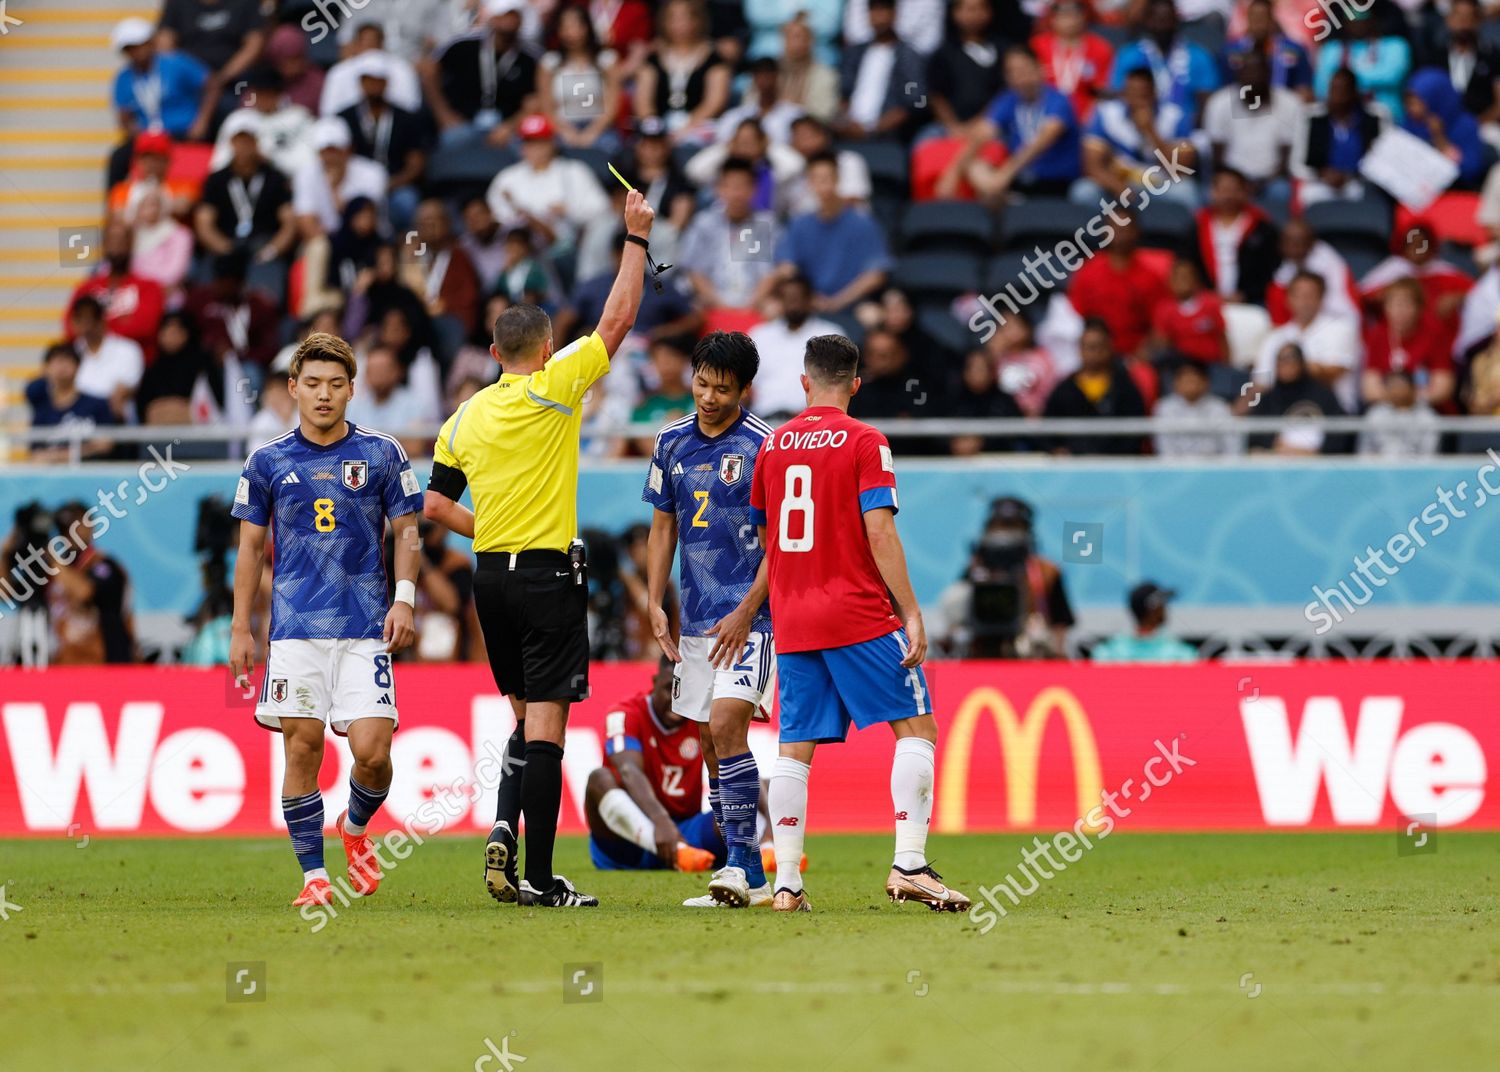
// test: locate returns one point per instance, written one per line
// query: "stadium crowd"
(400, 172)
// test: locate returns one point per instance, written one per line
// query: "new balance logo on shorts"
(901, 817)
(787, 820)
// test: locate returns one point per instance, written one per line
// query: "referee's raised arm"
(625, 296)
(514, 447)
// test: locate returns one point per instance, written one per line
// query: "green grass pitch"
(1288, 951)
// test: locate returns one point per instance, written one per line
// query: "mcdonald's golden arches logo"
(1020, 747)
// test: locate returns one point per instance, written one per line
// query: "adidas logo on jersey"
(291, 478)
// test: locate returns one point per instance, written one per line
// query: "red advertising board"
(1021, 746)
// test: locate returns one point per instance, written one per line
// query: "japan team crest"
(356, 474)
(278, 689)
(731, 467)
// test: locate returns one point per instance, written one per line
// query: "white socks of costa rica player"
(788, 804)
(911, 793)
(624, 817)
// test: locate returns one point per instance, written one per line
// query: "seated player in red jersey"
(645, 805)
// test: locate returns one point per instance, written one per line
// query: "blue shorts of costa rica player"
(823, 691)
(619, 855)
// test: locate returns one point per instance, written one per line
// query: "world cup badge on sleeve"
(356, 474)
(730, 468)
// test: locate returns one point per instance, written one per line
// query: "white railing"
(235, 439)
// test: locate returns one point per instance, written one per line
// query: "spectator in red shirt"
(1415, 256)
(132, 304)
(1190, 322)
(1408, 338)
(236, 321)
(1077, 62)
(1119, 288)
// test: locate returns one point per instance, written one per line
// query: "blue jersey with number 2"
(706, 484)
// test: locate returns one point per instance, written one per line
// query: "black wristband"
(447, 481)
(638, 240)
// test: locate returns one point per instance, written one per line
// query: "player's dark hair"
(87, 304)
(320, 346)
(831, 360)
(737, 165)
(520, 330)
(728, 352)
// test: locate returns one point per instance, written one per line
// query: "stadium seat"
(1351, 224)
(887, 163)
(466, 168)
(1167, 225)
(1454, 215)
(1005, 268)
(1460, 257)
(937, 275)
(942, 327)
(1360, 261)
(1043, 222)
(596, 159)
(947, 226)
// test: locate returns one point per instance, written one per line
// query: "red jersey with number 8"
(815, 478)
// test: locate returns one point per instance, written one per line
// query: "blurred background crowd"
(399, 172)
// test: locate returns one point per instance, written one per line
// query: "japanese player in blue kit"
(699, 484)
(326, 490)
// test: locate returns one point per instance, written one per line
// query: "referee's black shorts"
(535, 624)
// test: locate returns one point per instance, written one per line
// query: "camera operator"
(216, 533)
(89, 599)
(446, 622)
(1010, 602)
(21, 587)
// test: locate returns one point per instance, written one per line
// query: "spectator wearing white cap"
(341, 87)
(393, 137)
(481, 84)
(322, 188)
(281, 126)
(154, 91)
(552, 195)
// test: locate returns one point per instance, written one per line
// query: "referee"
(514, 445)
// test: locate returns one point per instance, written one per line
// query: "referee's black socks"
(541, 796)
(508, 800)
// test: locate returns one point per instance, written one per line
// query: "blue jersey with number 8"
(327, 508)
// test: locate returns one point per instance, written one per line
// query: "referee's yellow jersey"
(516, 444)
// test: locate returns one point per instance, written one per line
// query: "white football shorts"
(696, 683)
(334, 681)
